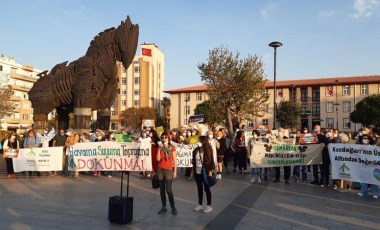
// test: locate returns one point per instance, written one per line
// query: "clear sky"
(321, 38)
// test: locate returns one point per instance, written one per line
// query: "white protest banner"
(273, 155)
(184, 154)
(360, 163)
(110, 156)
(39, 159)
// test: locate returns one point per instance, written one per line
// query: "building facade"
(21, 78)
(141, 85)
(326, 101)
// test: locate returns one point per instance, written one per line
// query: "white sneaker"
(259, 180)
(198, 208)
(360, 194)
(252, 180)
(220, 176)
(375, 197)
(207, 209)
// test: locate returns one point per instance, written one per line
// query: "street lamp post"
(186, 100)
(275, 45)
(336, 103)
(292, 86)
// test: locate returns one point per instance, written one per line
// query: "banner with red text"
(110, 156)
(360, 163)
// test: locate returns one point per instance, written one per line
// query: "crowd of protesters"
(215, 150)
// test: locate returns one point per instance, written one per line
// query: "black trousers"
(9, 162)
(315, 172)
(287, 170)
(325, 173)
(200, 184)
(165, 180)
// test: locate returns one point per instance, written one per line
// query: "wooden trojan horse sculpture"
(87, 84)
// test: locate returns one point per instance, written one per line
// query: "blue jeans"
(256, 172)
(296, 172)
(374, 189)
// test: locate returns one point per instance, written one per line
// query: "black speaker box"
(120, 209)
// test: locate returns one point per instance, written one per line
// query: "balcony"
(21, 88)
(23, 77)
(13, 120)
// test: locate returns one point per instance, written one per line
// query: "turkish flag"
(280, 94)
(330, 92)
(146, 52)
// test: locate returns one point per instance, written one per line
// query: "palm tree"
(166, 103)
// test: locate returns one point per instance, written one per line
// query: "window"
(124, 92)
(136, 62)
(329, 91)
(136, 103)
(1, 68)
(114, 126)
(137, 69)
(265, 93)
(315, 110)
(364, 89)
(187, 110)
(25, 96)
(280, 93)
(265, 108)
(124, 81)
(113, 112)
(186, 122)
(187, 97)
(25, 117)
(315, 96)
(330, 122)
(250, 124)
(199, 96)
(137, 92)
(13, 70)
(265, 122)
(346, 90)
(137, 81)
(347, 106)
(346, 123)
(330, 107)
(304, 94)
(123, 102)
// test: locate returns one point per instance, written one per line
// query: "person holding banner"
(31, 141)
(11, 148)
(255, 172)
(72, 139)
(203, 158)
(166, 172)
(241, 152)
(366, 140)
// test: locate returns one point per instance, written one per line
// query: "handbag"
(155, 183)
(209, 180)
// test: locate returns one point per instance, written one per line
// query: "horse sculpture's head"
(126, 37)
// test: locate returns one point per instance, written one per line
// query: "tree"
(133, 117)
(367, 111)
(6, 105)
(287, 114)
(234, 84)
(166, 103)
(211, 113)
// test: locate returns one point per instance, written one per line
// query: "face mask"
(327, 135)
(194, 133)
(199, 144)
(305, 131)
(360, 134)
(365, 141)
(144, 134)
(211, 136)
(45, 131)
(335, 135)
(69, 134)
(298, 135)
(62, 134)
(218, 138)
(315, 131)
(99, 137)
(166, 141)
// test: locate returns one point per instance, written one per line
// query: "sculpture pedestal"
(40, 122)
(82, 119)
(104, 119)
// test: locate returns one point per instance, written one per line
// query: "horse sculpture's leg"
(63, 117)
(104, 118)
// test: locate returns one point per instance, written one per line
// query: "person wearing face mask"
(144, 138)
(321, 139)
(325, 167)
(72, 139)
(214, 145)
(203, 158)
(366, 140)
(59, 140)
(154, 143)
(220, 153)
(255, 172)
(241, 152)
(166, 172)
(99, 136)
(11, 148)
